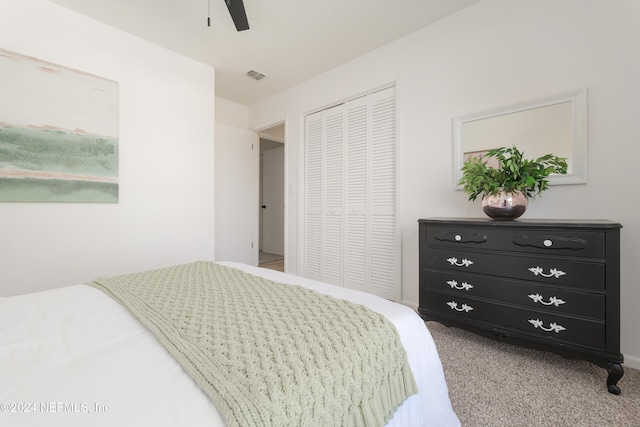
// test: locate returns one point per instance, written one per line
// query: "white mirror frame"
(578, 100)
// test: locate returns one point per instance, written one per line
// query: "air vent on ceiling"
(255, 75)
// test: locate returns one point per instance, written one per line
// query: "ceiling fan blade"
(238, 14)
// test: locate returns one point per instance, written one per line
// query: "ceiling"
(289, 41)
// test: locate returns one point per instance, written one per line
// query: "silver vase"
(505, 206)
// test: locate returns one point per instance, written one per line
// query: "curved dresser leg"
(615, 373)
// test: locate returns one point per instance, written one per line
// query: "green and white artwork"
(58, 133)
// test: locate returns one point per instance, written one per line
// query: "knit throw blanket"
(271, 354)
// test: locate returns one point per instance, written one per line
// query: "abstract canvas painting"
(58, 133)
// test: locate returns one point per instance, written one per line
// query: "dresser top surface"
(529, 223)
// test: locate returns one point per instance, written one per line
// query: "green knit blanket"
(271, 354)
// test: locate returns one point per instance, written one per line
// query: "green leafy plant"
(514, 174)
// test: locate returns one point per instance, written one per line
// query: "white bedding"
(75, 357)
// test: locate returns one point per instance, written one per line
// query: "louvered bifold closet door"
(332, 232)
(314, 136)
(356, 210)
(372, 248)
(352, 237)
(384, 229)
(324, 195)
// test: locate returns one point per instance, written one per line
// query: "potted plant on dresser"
(506, 189)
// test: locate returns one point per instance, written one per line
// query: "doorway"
(271, 188)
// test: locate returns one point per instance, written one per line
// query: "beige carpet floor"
(492, 383)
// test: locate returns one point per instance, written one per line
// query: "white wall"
(231, 113)
(165, 214)
(493, 54)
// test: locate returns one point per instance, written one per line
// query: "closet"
(351, 228)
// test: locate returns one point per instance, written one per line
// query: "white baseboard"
(410, 304)
(631, 362)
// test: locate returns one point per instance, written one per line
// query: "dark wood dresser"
(552, 285)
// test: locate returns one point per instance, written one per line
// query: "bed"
(76, 356)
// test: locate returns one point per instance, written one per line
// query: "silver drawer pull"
(464, 263)
(464, 285)
(552, 301)
(537, 323)
(454, 306)
(552, 273)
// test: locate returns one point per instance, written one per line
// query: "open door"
(272, 195)
(236, 194)
(272, 198)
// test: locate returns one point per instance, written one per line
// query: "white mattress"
(75, 357)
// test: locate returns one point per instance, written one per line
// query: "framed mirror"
(556, 125)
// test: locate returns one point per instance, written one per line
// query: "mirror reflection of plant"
(515, 173)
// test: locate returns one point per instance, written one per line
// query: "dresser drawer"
(556, 271)
(529, 295)
(551, 326)
(579, 243)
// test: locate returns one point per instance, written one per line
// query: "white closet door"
(313, 195)
(356, 212)
(352, 236)
(324, 195)
(384, 228)
(372, 243)
(332, 230)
